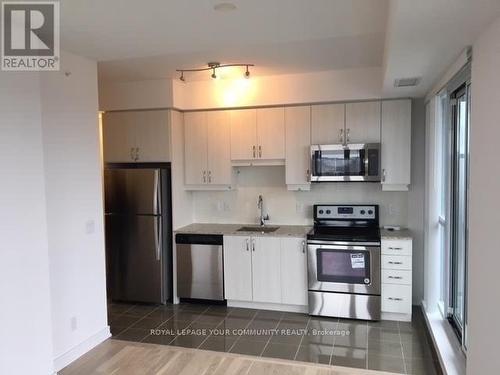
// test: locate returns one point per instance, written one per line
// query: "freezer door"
(134, 252)
(132, 191)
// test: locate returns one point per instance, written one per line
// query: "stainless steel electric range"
(343, 261)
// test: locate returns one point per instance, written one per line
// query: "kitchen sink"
(258, 228)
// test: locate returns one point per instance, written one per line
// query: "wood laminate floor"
(131, 358)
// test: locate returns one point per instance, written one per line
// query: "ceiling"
(148, 40)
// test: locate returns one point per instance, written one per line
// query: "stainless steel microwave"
(352, 162)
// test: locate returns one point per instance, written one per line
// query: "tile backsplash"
(290, 207)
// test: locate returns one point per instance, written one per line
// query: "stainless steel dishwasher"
(200, 273)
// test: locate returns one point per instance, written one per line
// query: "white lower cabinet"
(237, 268)
(265, 270)
(293, 271)
(396, 279)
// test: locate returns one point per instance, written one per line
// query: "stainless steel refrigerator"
(138, 232)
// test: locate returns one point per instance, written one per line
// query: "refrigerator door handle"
(156, 193)
(158, 234)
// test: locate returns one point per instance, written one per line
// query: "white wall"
(484, 250)
(339, 85)
(74, 198)
(290, 207)
(25, 329)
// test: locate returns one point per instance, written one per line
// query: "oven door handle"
(342, 244)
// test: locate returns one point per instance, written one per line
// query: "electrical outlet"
(393, 210)
(74, 323)
(90, 227)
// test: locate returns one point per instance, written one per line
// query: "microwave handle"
(316, 163)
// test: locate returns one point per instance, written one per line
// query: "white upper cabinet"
(258, 134)
(293, 271)
(136, 136)
(297, 146)
(243, 134)
(195, 148)
(362, 122)
(207, 148)
(327, 124)
(271, 133)
(219, 147)
(396, 144)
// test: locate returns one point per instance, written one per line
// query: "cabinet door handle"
(260, 151)
(384, 173)
(204, 177)
(303, 247)
(395, 248)
(395, 277)
(254, 150)
(347, 135)
(136, 153)
(132, 155)
(342, 136)
(209, 177)
(253, 245)
(248, 248)
(391, 262)
(394, 299)
(308, 175)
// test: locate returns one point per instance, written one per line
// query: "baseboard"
(268, 306)
(396, 316)
(77, 351)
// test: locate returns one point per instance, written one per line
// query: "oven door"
(356, 162)
(341, 267)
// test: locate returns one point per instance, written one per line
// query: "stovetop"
(345, 234)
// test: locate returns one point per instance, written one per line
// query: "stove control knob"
(320, 212)
(362, 212)
(328, 212)
(370, 212)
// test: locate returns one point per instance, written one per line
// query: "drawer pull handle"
(391, 262)
(395, 299)
(395, 248)
(395, 277)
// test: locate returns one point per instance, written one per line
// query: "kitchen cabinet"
(265, 269)
(297, 147)
(293, 271)
(207, 148)
(396, 144)
(266, 276)
(258, 134)
(243, 134)
(271, 133)
(136, 136)
(362, 122)
(237, 268)
(396, 279)
(327, 124)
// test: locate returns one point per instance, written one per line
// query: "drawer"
(396, 247)
(396, 299)
(396, 277)
(396, 262)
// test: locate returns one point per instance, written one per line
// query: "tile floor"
(387, 345)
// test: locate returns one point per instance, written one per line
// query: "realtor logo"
(30, 35)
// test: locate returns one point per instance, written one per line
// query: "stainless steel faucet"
(260, 205)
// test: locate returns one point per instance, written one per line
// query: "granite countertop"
(232, 229)
(403, 234)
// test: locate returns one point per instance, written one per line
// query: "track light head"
(247, 73)
(214, 76)
(182, 77)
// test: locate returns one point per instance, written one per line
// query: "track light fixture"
(213, 66)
